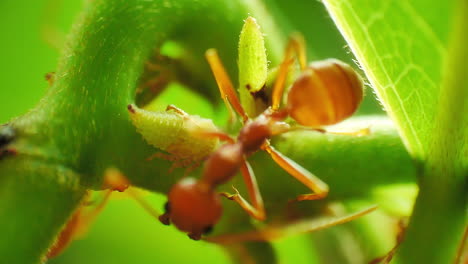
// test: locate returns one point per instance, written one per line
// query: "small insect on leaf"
(252, 65)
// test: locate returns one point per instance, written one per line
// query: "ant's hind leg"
(300, 227)
(256, 210)
(319, 187)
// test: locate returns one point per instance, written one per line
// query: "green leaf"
(414, 54)
(401, 46)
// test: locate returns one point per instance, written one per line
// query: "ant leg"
(319, 187)
(77, 225)
(164, 156)
(177, 110)
(217, 134)
(256, 210)
(462, 254)
(299, 227)
(204, 133)
(66, 236)
(115, 180)
(389, 256)
(228, 94)
(191, 168)
(356, 133)
(175, 165)
(296, 44)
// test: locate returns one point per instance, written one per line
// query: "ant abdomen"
(326, 93)
(194, 207)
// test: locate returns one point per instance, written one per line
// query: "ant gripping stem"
(194, 204)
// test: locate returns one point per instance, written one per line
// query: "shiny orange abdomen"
(326, 93)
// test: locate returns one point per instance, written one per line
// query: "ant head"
(193, 207)
(326, 93)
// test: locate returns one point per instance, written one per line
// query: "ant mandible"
(325, 93)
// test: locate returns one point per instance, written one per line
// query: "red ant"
(194, 206)
(325, 93)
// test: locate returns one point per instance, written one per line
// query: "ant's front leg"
(256, 210)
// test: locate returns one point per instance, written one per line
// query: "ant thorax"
(253, 134)
(227, 159)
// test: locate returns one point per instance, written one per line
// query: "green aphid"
(253, 68)
(182, 136)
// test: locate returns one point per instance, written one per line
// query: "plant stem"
(82, 127)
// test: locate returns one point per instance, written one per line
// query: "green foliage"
(418, 68)
(402, 64)
(82, 126)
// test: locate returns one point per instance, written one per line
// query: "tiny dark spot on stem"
(248, 87)
(131, 109)
(7, 134)
(49, 76)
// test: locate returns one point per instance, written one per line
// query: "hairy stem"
(82, 127)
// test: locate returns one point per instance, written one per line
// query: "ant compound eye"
(167, 207)
(207, 230)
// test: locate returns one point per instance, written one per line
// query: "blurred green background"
(124, 232)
